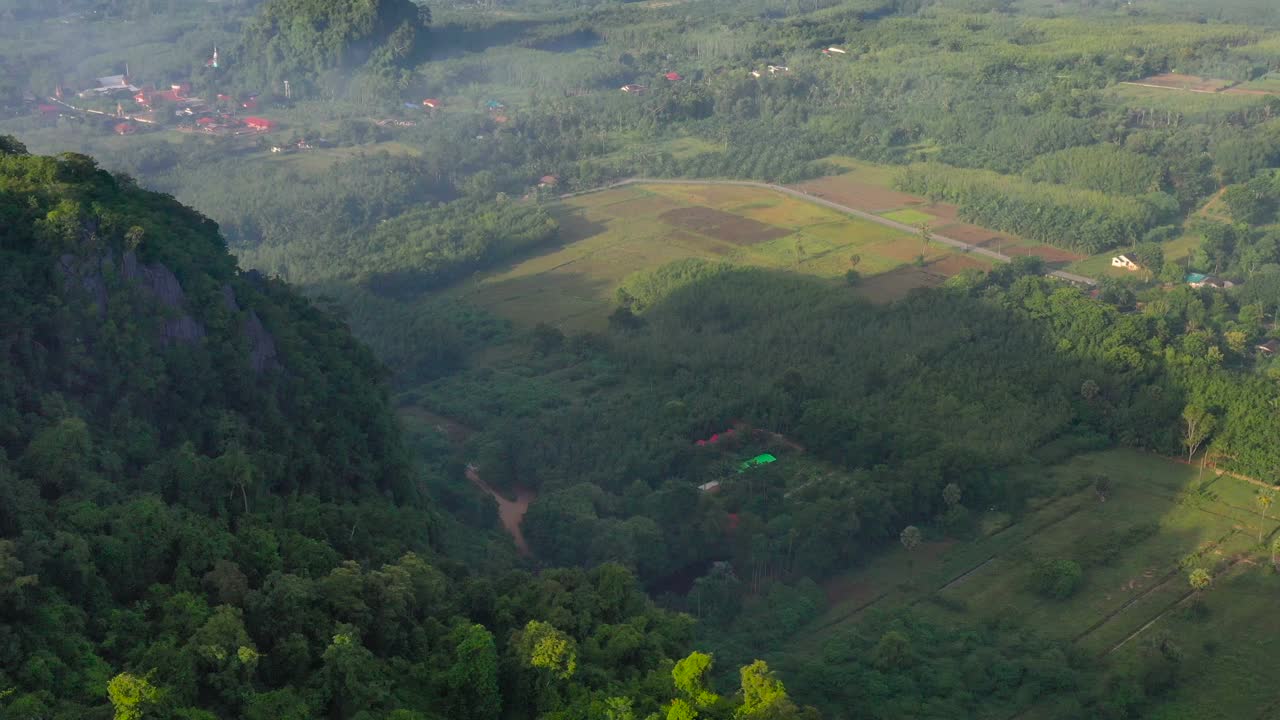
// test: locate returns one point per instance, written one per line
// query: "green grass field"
(609, 235)
(1099, 265)
(1181, 101)
(1134, 586)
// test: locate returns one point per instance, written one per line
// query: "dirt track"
(511, 512)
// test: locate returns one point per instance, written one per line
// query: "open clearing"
(1172, 100)
(1175, 81)
(608, 235)
(1132, 547)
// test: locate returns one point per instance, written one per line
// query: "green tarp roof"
(762, 459)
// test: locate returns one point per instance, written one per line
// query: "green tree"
(951, 495)
(353, 679)
(134, 697)
(59, 455)
(472, 679)
(544, 647)
(1264, 503)
(692, 680)
(763, 695)
(893, 651)
(1200, 580)
(911, 537)
(1198, 424)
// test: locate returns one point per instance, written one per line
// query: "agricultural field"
(1175, 81)
(869, 188)
(609, 235)
(1161, 99)
(1159, 519)
(1269, 83)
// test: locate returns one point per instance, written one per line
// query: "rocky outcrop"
(229, 299)
(85, 274)
(262, 347)
(160, 282)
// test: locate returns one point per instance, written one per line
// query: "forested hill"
(297, 40)
(206, 511)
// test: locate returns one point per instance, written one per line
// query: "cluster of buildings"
(139, 106)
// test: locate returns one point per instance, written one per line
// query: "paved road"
(959, 244)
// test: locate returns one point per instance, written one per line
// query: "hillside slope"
(206, 510)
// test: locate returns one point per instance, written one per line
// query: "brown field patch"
(723, 226)
(1051, 254)
(974, 235)
(1010, 245)
(945, 212)
(724, 194)
(637, 207)
(849, 590)
(952, 264)
(1176, 81)
(906, 251)
(859, 195)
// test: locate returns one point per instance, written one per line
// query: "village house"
(432, 104)
(1123, 261)
(548, 181)
(258, 124)
(755, 73)
(1269, 347)
(775, 69)
(673, 77)
(634, 89)
(1199, 280)
(108, 85)
(125, 128)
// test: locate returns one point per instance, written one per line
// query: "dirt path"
(1220, 472)
(802, 195)
(511, 512)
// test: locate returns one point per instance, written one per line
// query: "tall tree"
(472, 679)
(1197, 426)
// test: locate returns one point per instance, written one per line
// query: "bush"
(1056, 579)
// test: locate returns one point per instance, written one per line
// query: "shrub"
(1056, 578)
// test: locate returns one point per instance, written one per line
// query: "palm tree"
(1265, 502)
(1200, 579)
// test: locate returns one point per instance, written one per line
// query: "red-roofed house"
(259, 124)
(205, 121)
(249, 104)
(126, 129)
(673, 77)
(432, 103)
(48, 109)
